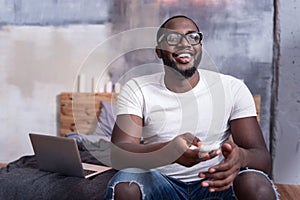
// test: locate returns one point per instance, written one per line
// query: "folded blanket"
(97, 145)
(22, 179)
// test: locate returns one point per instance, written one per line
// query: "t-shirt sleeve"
(130, 99)
(243, 102)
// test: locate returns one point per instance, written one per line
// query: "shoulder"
(213, 79)
(149, 78)
(234, 91)
(138, 85)
(145, 81)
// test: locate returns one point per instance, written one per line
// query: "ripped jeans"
(154, 185)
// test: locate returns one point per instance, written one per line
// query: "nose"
(184, 42)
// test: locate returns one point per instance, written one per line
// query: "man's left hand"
(220, 177)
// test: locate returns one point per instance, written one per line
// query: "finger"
(191, 153)
(219, 189)
(215, 153)
(203, 156)
(219, 185)
(224, 166)
(231, 161)
(220, 171)
(219, 175)
(190, 138)
(196, 141)
(226, 149)
(183, 142)
(209, 155)
(197, 156)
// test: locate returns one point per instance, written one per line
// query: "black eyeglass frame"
(165, 35)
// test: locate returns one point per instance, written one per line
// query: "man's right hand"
(189, 156)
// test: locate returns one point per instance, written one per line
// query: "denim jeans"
(156, 186)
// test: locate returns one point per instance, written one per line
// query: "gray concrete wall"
(54, 12)
(36, 64)
(42, 47)
(286, 129)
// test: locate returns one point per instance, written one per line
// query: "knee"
(252, 185)
(127, 191)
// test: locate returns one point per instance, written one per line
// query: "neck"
(177, 83)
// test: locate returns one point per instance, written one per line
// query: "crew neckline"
(199, 87)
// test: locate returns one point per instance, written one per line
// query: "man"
(171, 137)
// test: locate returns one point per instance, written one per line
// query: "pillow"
(106, 119)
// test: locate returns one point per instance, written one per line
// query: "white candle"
(94, 89)
(81, 83)
(117, 87)
(108, 87)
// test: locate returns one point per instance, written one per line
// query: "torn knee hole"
(127, 187)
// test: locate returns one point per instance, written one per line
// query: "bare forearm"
(256, 158)
(141, 148)
(248, 136)
(126, 155)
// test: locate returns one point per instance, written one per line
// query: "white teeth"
(184, 55)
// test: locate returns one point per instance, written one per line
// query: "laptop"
(61, 155)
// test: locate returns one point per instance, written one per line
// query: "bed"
(90, 115)
(77, 113)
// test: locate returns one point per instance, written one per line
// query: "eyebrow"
(192, 32)
(184, 33)
(180, 33)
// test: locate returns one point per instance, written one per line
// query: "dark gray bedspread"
(22, 179)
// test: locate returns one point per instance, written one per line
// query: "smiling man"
(176, 55)
(171, 137)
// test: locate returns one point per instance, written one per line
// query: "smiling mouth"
(183, 58)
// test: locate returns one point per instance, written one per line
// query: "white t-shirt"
(204, 111)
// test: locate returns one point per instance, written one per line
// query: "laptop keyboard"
(88, 172)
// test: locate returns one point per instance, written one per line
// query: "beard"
(186, 73)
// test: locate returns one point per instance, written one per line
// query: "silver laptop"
(61, 155)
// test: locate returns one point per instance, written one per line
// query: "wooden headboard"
(79, 111)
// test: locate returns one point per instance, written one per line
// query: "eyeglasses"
(174, 38)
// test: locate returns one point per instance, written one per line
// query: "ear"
(158, 52)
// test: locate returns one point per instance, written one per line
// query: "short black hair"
(162, 27)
